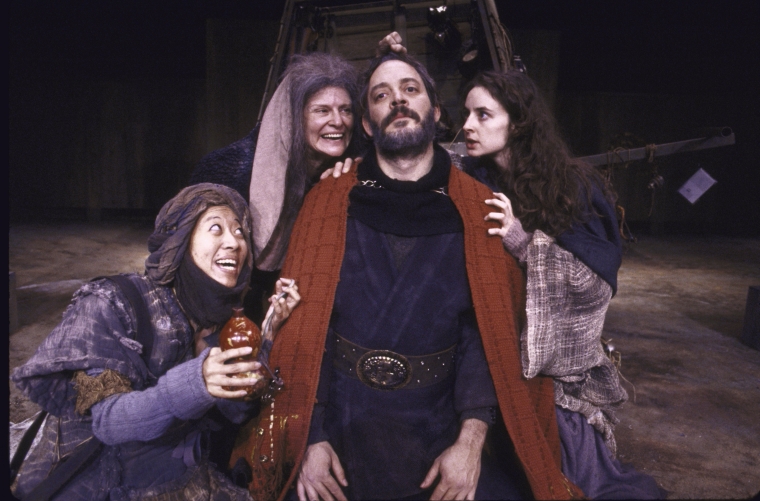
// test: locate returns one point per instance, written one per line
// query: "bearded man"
(404, 358)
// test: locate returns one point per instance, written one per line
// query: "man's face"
(401, 117)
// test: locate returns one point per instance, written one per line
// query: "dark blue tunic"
(404, 288)
(388, 440)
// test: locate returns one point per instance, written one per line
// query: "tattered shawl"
(566, 306)
(98, 331)
(275, 446)
(267, 191)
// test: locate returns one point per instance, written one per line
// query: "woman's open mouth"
(227, 264)
(334, 136)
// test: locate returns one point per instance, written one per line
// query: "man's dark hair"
(427, 80)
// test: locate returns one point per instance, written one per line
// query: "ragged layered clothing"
(162, 451)
(570, 282)
(120, 369)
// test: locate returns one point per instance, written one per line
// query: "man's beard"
(405, 143)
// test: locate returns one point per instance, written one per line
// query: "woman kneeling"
(142, 378)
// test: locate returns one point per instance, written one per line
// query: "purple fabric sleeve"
(485, 414)
(146, 415)
(516, 241)
(317, 431)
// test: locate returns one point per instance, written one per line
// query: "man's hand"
(314, 479)
(340, 168)
(459, 465)
(391, 43)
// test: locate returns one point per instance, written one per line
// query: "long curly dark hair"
(549, 189)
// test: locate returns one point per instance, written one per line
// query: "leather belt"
(387, 370)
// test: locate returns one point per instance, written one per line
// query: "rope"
(455, 137)
(650, 150)
(623, 226)
(617, 360)
(617, 153)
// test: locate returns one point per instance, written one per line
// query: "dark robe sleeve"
(230, 166)
(474, 393)
(317, 431)
(596, 242)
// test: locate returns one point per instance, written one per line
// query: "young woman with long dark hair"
(556, 216)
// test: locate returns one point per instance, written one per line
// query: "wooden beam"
(725, 137)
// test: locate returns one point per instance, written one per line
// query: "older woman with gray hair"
(130, 376)
(307, 127)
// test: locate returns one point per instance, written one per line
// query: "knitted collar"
(405, 208)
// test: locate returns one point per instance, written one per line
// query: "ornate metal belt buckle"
(384, 370)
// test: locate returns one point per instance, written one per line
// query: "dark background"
(96, 90)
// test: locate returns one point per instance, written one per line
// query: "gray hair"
(309, 74)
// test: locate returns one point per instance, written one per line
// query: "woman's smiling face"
(328, 122)
(218, 245)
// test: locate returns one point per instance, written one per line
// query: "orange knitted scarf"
(275, 445)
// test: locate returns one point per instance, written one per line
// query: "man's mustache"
(399, 110)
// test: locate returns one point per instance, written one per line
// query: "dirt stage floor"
(694, 422)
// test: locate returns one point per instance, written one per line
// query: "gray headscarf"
(280, 176)
(204, 300)
(175, 223)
